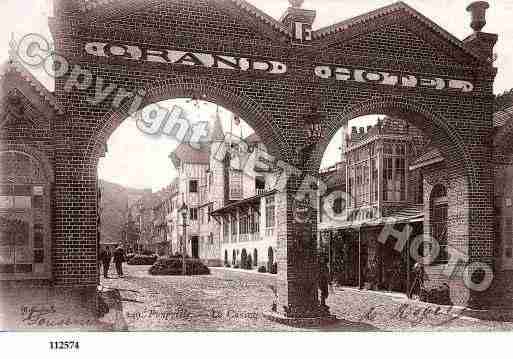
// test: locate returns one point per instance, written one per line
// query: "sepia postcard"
(254, 166)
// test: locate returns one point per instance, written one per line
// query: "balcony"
(261, 191)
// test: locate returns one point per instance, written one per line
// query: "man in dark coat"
(105, 257)
(119, 258)
(324, 280)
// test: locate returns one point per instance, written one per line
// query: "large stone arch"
(433, 124)
(384, 43)
(242, 105)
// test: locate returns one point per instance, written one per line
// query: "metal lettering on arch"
(177, 57)
(392, 78)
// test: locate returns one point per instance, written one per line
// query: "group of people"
(119, 257)
(324, 280)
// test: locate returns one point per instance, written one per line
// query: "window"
(321, 208)
(338, 205)
(420, 190)
(388, 149)
(235, 185)
(242, 229)
(193, 214)
(366, 184)
(226, 229)
(201, 216)
(209, 213)
(269, 212)
(24, 219)
(350, 187)
(193, 186)
(256, 219)
(252, 222)
(234, 228)
(400, 179)
(438, 220)
(387, 179)
(260, 184)
(374, 181)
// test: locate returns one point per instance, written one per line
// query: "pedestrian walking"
(105, 258)
(119, 258)
(324, 280)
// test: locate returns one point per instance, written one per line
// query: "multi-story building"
(379, 189)
(229, 198)
(248, 214)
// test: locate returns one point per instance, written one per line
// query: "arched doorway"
(255, 257)
(243, 259)
(270, 259)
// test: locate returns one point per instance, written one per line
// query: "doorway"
(195, 246)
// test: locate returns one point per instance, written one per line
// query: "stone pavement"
(235, 301)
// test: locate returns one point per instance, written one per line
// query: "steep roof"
(386, 11)
(252, 11)
(13, 64)
(429, 156)
(253, 138)
(503, 109)
(188, 154)
(500, 118)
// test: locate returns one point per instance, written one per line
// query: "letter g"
(33, 49)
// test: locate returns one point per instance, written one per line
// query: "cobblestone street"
(235, 300)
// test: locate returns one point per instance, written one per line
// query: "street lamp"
(184, 210)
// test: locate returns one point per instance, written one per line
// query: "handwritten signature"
(47, 316)
(415, 315)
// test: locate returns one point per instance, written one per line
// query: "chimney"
(299, 21)
(58, 7)
(478, 12)
(480, 42)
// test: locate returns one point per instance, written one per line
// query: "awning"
(245, 202)
(404, 215)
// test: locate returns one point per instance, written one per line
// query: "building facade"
(379, 192)
(391, 61)
(229, 198)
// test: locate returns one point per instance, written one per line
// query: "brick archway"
(392, 60)
(246, 108)
(433, 124)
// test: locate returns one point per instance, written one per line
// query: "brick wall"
(274, 105)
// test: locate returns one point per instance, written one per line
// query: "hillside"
(115, 200)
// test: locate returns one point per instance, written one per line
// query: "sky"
(141, 161)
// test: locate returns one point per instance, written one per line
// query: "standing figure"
(418, 273)
(105, 257)
(119, 258)
(324, 280)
